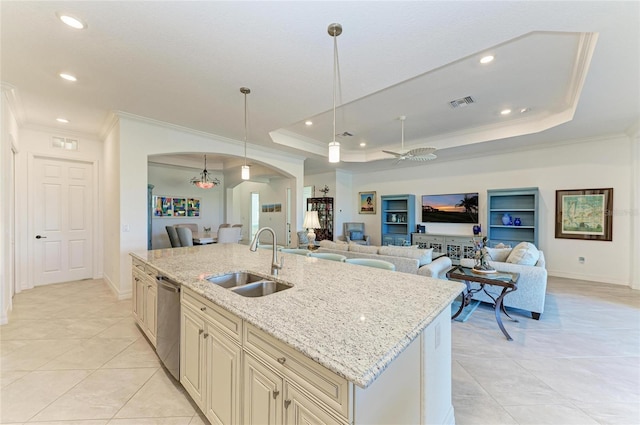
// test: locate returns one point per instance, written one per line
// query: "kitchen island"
(345, 344)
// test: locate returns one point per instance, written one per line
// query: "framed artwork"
(367, 202)
(584, 214)
(175, 207)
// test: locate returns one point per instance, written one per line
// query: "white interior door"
(63, 220)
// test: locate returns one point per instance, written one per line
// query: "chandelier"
(205, 181)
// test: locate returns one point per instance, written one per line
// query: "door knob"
(40, 237)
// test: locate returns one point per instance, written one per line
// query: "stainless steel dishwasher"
(168, 336)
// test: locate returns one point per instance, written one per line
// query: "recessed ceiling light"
(63, 120)
(505, 112)
(68, 77)
(363, 144)
(72, 21)
(487, 59)
(308, 123)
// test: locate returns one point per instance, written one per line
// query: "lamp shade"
(334, 152)
(246, 172)
(311, 220)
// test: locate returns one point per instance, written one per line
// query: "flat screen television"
(451, 208)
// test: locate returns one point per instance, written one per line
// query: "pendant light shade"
(334, 31)
(245, 174)
(204, 181)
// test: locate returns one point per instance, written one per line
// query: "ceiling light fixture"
(505, 112)
(308, 123)
(72, 21)
(68, 77)
(205, 182)
(363, 144)
(63, 120)
(487, 59)
(246, 170)
(334, 147)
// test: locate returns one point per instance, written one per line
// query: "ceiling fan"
(418, 154)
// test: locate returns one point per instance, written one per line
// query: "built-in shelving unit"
(398, 219)
(519, 204)
(324, 206)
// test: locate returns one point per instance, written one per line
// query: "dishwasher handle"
(167, 284)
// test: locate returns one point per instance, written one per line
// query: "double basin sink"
(248, 284)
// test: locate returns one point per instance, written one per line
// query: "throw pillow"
(525, 253)
(342, 246)
(499, 254)
(356, 236)
(424, 256)
(302, 238)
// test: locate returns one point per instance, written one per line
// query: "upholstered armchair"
(354, 233)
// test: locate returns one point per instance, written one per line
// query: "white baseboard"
(587, 277)
(119, 295)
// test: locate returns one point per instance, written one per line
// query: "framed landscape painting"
(367, 202)
(584, 214)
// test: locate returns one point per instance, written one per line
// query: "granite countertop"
(354, 320)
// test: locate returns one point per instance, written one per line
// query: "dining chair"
(370, 262)
(297, 251)
(173, 237)
(223, 225)
(185, 235)
(192, 226)
(227, 235)
(327, 256)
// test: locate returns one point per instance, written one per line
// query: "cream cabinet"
(237, 373)
(145, 299)
(210, 358)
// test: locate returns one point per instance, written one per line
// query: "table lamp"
(311, 222)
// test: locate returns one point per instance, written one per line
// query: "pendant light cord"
(335, 67)
(245, 129)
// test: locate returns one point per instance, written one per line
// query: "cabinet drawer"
(138, 265)
(226, 322)
(319, 381)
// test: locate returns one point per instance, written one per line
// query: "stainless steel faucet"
(275, 266)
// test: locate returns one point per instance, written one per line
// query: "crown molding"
(14, 102)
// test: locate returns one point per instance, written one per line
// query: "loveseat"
(406, 259)
(532, 284)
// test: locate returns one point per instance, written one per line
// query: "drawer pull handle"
(205, 336)
(275, 394)
(281, 360)
(203, 308)
(287, 403)
(200, 331)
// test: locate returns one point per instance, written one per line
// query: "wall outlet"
(581, 260)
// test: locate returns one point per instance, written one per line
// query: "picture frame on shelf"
(584, 214)
(367, 202)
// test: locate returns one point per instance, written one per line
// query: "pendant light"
(246, 170)
(334, 147)
(204, 181)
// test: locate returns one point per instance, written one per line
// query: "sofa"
(532, 284)
(406, 259)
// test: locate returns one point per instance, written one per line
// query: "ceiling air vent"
(64, 143)
(463, 101)
(345, 134)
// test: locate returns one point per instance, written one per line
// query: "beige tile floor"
(71, 354)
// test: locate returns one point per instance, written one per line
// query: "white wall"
(273, 192)
(9, 142)
(169, 180)
(140, 138)
(588, 164)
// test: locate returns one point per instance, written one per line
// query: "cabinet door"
(151, 310)
(139, 306)
(223, 378)
(301, 410)
(192, 355)
(262, 393)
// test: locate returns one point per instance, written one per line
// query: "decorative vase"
(506, 219)
(393, 218)
(477, 229)
(516, 221)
